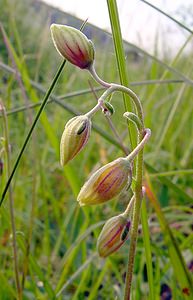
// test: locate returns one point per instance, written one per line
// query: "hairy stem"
(135, 221)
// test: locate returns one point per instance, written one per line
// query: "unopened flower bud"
(108, 109)
(114, 233)
(106, 183)
(74, 137)
(73, 45)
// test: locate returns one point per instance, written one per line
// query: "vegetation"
(55, 238)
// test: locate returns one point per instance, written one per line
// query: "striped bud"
(106, 183)
(114, 233)
(74, 137)
(73, 45)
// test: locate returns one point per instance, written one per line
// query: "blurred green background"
(56, 238)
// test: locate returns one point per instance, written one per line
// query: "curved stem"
(32, 129)
(124, 89)
(138, 151)
(129, 207)
(97, 78)
(141, 145)
(90, 113)
(134, 119)
(112, 87)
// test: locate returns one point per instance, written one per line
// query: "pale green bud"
(74, 137)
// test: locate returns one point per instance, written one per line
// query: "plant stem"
(134, 118)
(113, 87)
(147, 246)
(135, 220)
(97, 78)
(11, 206)
(96, 108)
(127, 211)
(108, 118)
(140, 145)
(32, 128)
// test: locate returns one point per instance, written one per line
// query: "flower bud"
(73, 45)
(74, 137)
(106, 183)
(108, 109)
(114, 233)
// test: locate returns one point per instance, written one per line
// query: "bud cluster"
(110, 180)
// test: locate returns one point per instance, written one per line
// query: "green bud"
(108, 107)
(74, 137)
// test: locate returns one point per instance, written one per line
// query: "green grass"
(56, 239)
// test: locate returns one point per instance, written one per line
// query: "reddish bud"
(106, 183)
(114, 233)
(73, 45)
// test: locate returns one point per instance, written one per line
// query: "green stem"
(112, 87)
(11, 206)
(135, 221)
(94, 74)
(128, 209)
(147, 246)
(134, 118)
(119, 48)
(141, 144)
(32, 129)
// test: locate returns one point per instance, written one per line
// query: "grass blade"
(168, 16)
(147, 246)
(179, 267)
(120, 57)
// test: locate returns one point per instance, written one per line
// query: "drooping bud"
(114, 233)
(108, 109)
(106, 183)
(74, 137)
(73, 45)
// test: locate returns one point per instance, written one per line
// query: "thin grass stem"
(11, 205)
(168, 16)
(32, 129)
